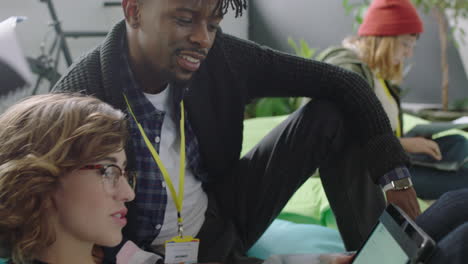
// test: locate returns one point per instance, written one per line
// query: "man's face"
(175, 36)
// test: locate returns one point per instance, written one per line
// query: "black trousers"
(256, 190)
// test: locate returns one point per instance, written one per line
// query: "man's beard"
(181, 84)
(176, 82)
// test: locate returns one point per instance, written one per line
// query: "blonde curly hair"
(42, 138)
(378, 53)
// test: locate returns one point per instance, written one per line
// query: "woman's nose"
(125, 192)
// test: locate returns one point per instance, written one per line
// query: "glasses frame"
(408, 43)
(129, 176)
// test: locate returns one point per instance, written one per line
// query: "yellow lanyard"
(178, 199)
(387, 91)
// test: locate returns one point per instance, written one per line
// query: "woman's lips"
(122, 221)
(119, 217)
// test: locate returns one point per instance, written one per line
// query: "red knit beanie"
(391, 18)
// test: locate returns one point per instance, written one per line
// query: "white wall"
(76, 15)
(463, 47)
(238, 27)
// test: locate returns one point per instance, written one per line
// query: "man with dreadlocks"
(185, 84)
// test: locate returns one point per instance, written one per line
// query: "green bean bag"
(286, 237)
(306, 224)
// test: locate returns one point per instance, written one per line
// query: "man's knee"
(323, 116)
(457, 196)
(325, 127)
(453, 248)
(321, 109)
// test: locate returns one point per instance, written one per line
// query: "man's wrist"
(394, 175)
(398, 185)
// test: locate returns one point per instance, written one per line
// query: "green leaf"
(345, 3)
(462, 31)
(293, 44)
(264, 108)
(359, 19)
(275, 106)
(306, 51)
(348, 8)
(303, 50)
(271, 107)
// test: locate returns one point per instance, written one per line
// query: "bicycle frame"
(58, 29)
(45, 66)
(62, 35)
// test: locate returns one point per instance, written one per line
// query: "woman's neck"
(68, 251)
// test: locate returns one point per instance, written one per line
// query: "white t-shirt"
(195, 199)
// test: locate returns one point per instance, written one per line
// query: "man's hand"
(421, 145)
(342, 260)
(406, 200)
(335, 259)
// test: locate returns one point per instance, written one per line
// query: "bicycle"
(46, 64)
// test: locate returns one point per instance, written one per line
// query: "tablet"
(395, 239)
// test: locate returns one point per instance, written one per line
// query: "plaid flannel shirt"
(151, 196)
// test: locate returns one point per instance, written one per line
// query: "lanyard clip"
(180, 229)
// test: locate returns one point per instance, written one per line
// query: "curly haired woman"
(63, 179)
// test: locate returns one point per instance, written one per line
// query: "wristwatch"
(398, 185)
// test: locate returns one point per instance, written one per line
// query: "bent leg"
(267, 176)
(453, 248)
(445, 215)
(355, 199)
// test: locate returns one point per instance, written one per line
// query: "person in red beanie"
(385, 39)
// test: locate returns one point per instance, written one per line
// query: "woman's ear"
(131, 10)
(50, 203)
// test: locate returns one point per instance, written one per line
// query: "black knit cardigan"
(235, 72)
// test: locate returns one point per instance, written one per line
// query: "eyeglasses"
(408, 43)
(111, 176)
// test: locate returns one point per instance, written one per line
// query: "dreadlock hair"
(238, 5)
(223, 5)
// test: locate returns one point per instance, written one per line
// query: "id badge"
(182, 250)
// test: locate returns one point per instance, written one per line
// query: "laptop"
(395, 239)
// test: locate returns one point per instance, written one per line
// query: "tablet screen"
(396, 239)
(381, 248)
